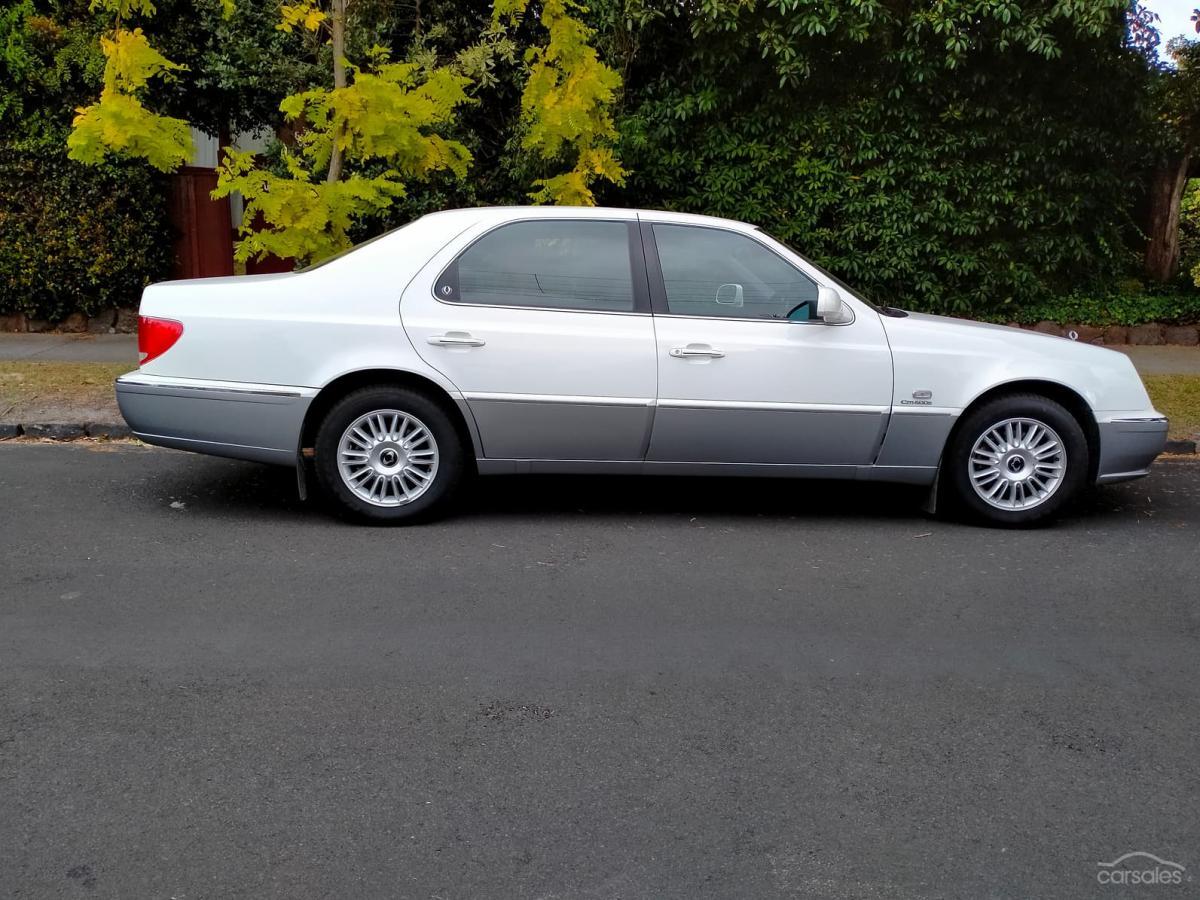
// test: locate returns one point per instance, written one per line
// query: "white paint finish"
(800, 378)
(305, 328)
(776, 362)
(553, 353)
(558, 357)
(959, 360)
(301, 331)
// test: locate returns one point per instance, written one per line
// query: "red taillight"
(156, 337)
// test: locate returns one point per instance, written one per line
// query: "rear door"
(740, 381)
(544, 325)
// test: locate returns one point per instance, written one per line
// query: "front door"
(544, 325)
(746, 375)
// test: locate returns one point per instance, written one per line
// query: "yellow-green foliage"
(123, 9)
(305, 219)
(566, 103)
(303, 14)
(118, 123)
(385, 116)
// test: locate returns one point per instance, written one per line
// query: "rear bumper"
(1129, 446)
(243, 421)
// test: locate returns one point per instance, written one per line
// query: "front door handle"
(696, 351)
(456, 339)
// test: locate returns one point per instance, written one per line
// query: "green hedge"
(1125, 305)
(75, 237)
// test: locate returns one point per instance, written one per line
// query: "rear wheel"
(388, 454)
(1016, 460)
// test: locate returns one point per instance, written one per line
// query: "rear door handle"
(456, 339)
(696, 351)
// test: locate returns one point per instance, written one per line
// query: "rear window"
(553, 264)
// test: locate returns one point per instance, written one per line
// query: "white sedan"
(506, 341)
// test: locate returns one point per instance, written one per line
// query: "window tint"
(556, 264)
(710, 272)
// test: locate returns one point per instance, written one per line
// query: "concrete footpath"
(84, 348)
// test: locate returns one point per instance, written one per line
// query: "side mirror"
(730, 295)
(831, 309)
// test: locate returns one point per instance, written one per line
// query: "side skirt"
(918, 475)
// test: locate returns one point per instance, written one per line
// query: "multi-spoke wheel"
(1017, 464)
(388, 454)
(387, 457)
(1016, 460)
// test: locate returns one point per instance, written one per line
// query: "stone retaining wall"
(111, 321)
(1144, 335)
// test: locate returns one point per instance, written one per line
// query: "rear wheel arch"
(331, 393)
(1066, 397)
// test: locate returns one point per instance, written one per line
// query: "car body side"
(262, 354)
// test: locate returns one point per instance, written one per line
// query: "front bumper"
(1128, 446)
(243, 421)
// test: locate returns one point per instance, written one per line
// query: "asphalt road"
(586, 688)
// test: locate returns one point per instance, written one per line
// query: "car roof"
(505, 213)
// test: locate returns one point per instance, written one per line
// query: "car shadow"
(661, 495)
(250, 490)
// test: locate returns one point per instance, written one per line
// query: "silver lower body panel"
(514, 428)
(1128, 447)
(254, 422)
(765, 437)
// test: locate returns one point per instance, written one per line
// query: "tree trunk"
(337, 24)
(1166, 193)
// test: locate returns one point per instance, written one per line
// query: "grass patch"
(1178, 398)
(60, 387)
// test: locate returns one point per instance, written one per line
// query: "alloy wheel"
(1017, 464)
(387, 457)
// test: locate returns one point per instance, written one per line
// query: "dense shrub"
(1123, 304)
(966, 185)
(74, 237)
(1189, 233)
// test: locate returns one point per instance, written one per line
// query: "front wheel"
(1016, 460)
(388, 454)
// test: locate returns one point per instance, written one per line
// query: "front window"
(713, 272)
(833, 279)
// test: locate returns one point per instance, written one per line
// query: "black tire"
(956, 464)
(447, 477)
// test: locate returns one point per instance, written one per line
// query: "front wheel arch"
(1068, 398)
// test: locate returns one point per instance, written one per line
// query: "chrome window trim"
(562, 309)
(789, 322)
